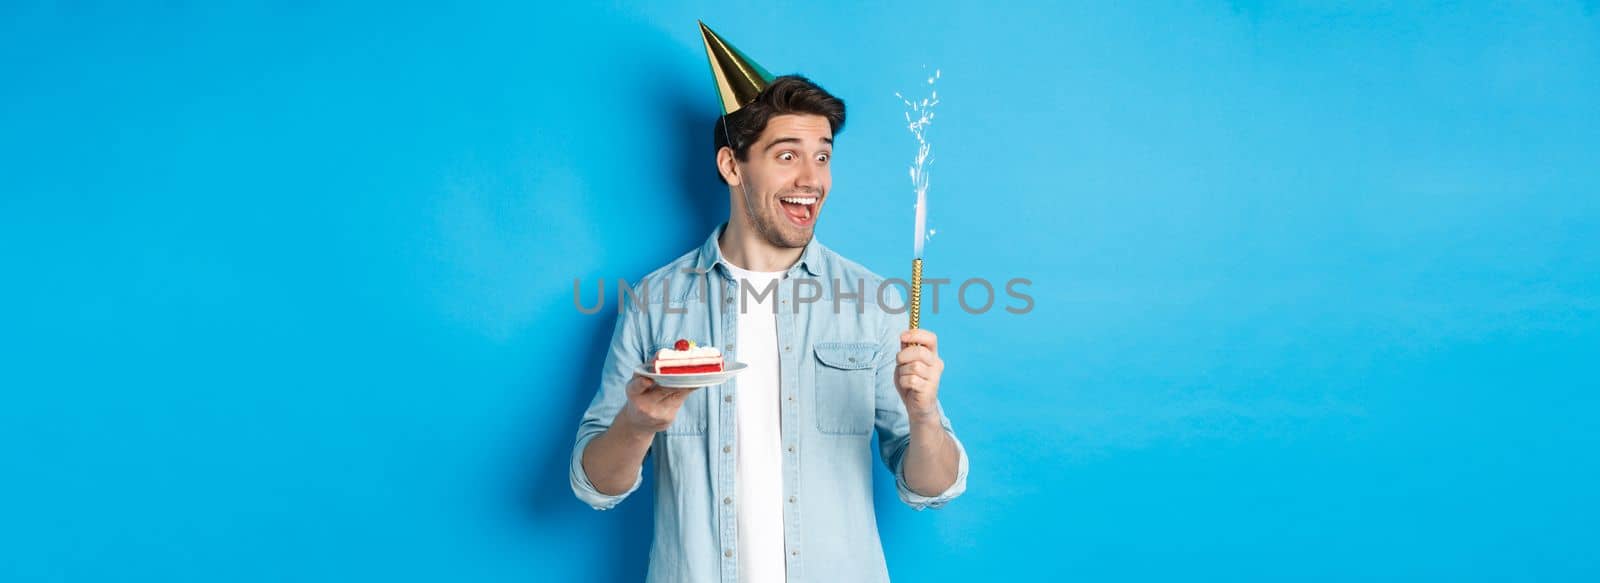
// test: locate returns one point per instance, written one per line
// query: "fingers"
(652, 406)
(917, 354)
(672, 397)
(918, 372)
(678, 397)
(915, 367)
(640, 385)
(911, 381)
(921, 336)
(645, 389)
(915, 375)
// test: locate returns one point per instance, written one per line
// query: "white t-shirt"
(758, 467)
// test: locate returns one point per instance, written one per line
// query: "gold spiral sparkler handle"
(916, 291)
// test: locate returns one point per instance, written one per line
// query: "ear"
(727, 166)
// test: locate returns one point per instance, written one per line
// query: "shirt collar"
(711, 254)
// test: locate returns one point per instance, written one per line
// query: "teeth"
(798, 200)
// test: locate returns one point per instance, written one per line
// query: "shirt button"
(791, 449)
(786, 349)
(794, 553)
(727, 300)
(791, 499)
(791, 397)
(727, 398)
(727, 553)
(727, 500)
(727, 448)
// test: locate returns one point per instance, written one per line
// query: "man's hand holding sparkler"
(916, 375)
(931, 461)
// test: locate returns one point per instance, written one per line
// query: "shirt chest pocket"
(844, 387)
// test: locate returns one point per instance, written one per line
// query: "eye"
(786, 156)
(824, 157)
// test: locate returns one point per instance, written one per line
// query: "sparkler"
(923, 111)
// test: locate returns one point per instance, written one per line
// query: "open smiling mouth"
(801, 210)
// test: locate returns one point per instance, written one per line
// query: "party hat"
(738, 78)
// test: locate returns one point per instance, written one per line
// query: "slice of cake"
(685, 357)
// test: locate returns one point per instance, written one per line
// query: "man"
(767, 477)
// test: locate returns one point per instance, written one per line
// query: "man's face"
(786, 178)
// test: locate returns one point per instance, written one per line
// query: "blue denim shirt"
(836, 379)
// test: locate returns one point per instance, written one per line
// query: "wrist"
(629, 429)
(928, 421)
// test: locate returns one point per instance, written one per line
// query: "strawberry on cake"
(685, 357)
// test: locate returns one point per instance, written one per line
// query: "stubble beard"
(769, 228)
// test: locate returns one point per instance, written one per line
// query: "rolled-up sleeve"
(892, 446)
(893, 424)
(625, 353)
(586, 490)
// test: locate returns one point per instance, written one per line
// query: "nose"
(808, 178)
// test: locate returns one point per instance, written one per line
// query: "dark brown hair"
(789, 94)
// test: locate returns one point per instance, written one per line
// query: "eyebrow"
(791, 139)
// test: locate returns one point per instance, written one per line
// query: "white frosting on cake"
(696, 352)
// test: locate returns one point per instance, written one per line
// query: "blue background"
(289, 288)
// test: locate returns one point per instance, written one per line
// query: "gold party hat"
(738, 78)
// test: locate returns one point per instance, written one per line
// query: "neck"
(745, 248)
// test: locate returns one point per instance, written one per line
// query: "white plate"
(693, 380)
